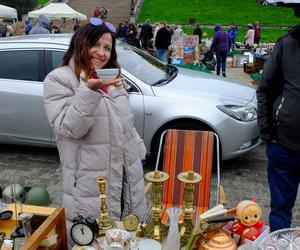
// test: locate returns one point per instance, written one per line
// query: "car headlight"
(241, 113)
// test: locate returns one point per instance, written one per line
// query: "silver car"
(162, 96)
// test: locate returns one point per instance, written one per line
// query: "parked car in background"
(162, 96)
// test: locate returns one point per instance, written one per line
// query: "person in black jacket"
(162, 42)
(278, 103)
(146, 34)
(198, 31)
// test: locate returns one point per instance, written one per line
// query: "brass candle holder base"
(185, 231)
(186, 227)
(155, 229)
(104, 226)
(104, 220)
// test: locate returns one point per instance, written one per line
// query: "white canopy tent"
(8, 12)
(57, 10)
(287, 2)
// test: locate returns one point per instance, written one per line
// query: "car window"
(143, 66)
(57, 57)
(53, 59)
(21, 65)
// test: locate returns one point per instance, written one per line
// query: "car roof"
(63, 39)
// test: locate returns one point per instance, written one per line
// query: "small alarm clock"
(131, 222)
(84, 230)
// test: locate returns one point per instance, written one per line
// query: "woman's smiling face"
(101, 51)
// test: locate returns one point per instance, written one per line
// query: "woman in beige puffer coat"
(93, 124)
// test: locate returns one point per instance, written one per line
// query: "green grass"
(211, 12)
(240, 12)
(42, 2)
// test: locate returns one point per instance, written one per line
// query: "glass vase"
(173, 238)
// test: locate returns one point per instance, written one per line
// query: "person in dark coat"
(278, 105)
(132, 36)
(221, 44)
(162, 42)
(198, 31)
(146, 34)
(257, 31)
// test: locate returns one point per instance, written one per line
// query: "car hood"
(196, 86)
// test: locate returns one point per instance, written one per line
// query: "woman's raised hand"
(95, 84)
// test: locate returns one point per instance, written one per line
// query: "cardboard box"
(188, 55)
(176, 60)
(249, 244)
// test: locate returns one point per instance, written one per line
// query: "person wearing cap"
(249, 37)
(42, 27)
(221, 45)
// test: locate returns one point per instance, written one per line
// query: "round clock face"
(131, 222)
(82, 234)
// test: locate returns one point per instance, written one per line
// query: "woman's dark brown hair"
(84, 39)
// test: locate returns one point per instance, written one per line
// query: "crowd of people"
(157, 39)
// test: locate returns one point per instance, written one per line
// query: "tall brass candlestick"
(155, 229)
(104, 220)
(190, 179)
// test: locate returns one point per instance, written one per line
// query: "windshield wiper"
(161, 81)
(171, 73)
(172, 70)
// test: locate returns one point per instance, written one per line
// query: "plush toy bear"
(248, 222)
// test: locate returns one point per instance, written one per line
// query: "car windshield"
(142, 65)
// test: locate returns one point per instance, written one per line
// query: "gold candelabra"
(186, 227)
(155, 229)
(104, 220)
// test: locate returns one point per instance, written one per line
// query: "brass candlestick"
(186, 227)
(104, 220)
(155, 229)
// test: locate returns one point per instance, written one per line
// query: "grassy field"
(240, 12)
(42, 2)
(210, 12)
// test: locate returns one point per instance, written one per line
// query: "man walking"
(278, 97)
(146, 34)
(162, 42)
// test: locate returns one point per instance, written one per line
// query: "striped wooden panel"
(186, 150)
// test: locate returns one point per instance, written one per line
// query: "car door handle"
(148, 113)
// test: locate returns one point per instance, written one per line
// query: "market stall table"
(53, 219)
(119, 225)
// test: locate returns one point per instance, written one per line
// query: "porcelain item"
(102, 243)
(173, 238)
(149, 244)
(118, 239)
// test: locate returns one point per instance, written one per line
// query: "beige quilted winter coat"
(95, 137)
